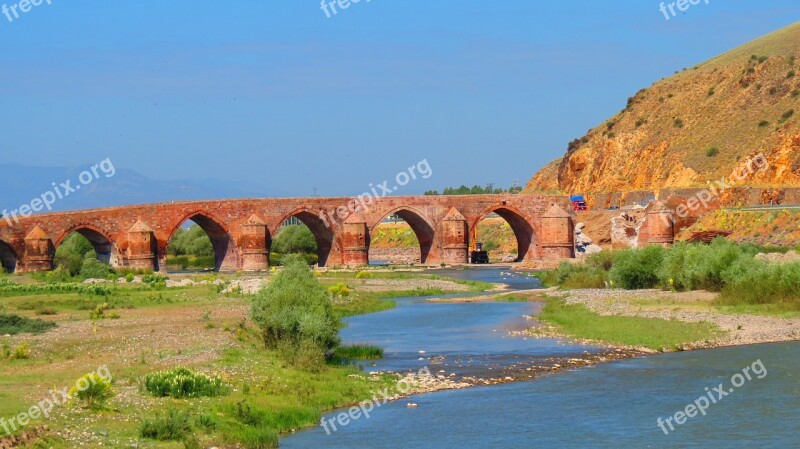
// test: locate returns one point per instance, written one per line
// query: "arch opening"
(199, 243)
(8, 258)
(78, 250)
(296, 224)
(505, 234)
(293, 237)
(402, 237)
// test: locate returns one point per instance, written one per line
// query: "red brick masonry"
(241, 230)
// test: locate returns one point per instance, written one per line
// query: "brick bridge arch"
(138, 236)
(226, 254)
(103, 244)
(323, 234)
(424, 229)
(524, 231)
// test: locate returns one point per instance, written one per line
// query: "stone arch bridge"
(241, 230)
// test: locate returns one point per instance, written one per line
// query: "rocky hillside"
(697, 125)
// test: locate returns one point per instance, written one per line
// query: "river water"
(605, 406)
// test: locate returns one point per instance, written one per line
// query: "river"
(605, 406)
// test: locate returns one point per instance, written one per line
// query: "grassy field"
(141, 329)
(579, 322)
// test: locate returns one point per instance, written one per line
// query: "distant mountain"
(698, 125)
(21, 184)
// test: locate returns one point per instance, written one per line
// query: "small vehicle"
(578, 202)
(478, 255)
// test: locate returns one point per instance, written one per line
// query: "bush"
(295, 314)
(363, 275)
(93, 390)
(763, 124)
(20, 352)
(94, 269)
(751, 281)
(635, 269)
(678, 122)
(695, 266)
(711, 152)
(339, 290)
(183, 383)
(569, 275)
(787, 115)
(173, 425)
(15, 324)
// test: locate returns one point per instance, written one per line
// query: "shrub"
(363, 275)
(99, 312)
(21, 352)
(570, 275)
(183, 383)
(603, 260)
(711, 152)
(339, 290)
(173, 425)
(634, 269)
(696, 266)
(751, 281)
(15, 324)
(94, 269)
(678, 122)
(790, 74)
(787, 115)
(295, 314)
(93, 390)
(763, 124)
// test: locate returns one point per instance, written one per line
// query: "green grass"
(654, 333)
(780, 310)
(359, 352)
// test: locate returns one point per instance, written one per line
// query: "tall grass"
(722, 266)
(358, 352)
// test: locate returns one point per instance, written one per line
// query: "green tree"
(71, 253)
(294, 239)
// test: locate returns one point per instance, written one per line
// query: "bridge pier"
(355, 247)
(558, 234)
(39, 252)
(254, 245)
(454, 238)
(141, 251)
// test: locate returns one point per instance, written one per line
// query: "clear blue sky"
(276, 93)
